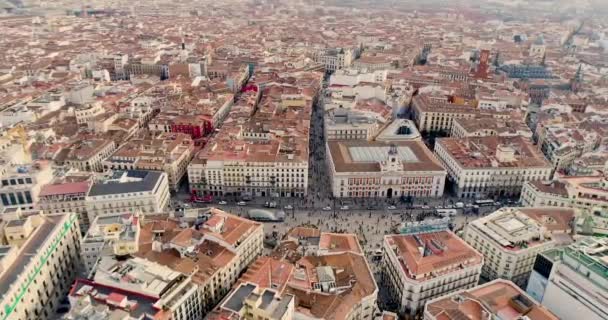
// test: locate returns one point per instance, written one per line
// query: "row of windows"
(15, 198)
(13, 182)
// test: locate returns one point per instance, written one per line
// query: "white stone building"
(510, 239)
(128, 192)
(382, 169)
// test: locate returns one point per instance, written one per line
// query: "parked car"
(425, 207)
(344, 207)
(288, 207)
(459, 205)
(222, 202)
(241, 203)
(328, 208)
(391, 208)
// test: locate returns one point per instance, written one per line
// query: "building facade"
(382, 169)
(128, 192)
(570, 281)
(42, 268)
(491, 166)
(510, 239)
(421, 267)
(584, 193)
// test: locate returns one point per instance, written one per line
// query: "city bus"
(484, 203)
(446, 212)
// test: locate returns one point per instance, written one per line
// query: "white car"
(391, 208)
(222, 202)
(241, 203)
(344, 208)
(288, 207)
(327, 209)
(425, 207)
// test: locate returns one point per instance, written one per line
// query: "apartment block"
(421, 267)
(584, 192)
(493, 166)
(510, 239)
(128, 192)
(36, 273)
(167, 152)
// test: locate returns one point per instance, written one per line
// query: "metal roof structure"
(380, 153)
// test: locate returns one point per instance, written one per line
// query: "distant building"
(335, 59)
(167, 152)
(570, 281)
(499, 299)
(526, 71)
(382, 169)
(36, 274)
(418, 268)
(510, 239)
(585, 192)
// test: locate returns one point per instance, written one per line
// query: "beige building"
(87, 155)
(36, 272)
(128, 192)
(382, 169)
(510, 239)
(492, 300)
(418, 268)
(62, 197)
(585, 192)
(86, 113)
(489, 126)
(491, 166)
(168, 152)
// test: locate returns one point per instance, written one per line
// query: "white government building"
(382, 169)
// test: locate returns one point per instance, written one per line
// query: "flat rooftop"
(365, 156)
(520, 228)
(134, 181)
(425, 256)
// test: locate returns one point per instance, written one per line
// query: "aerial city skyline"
(304, 160)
